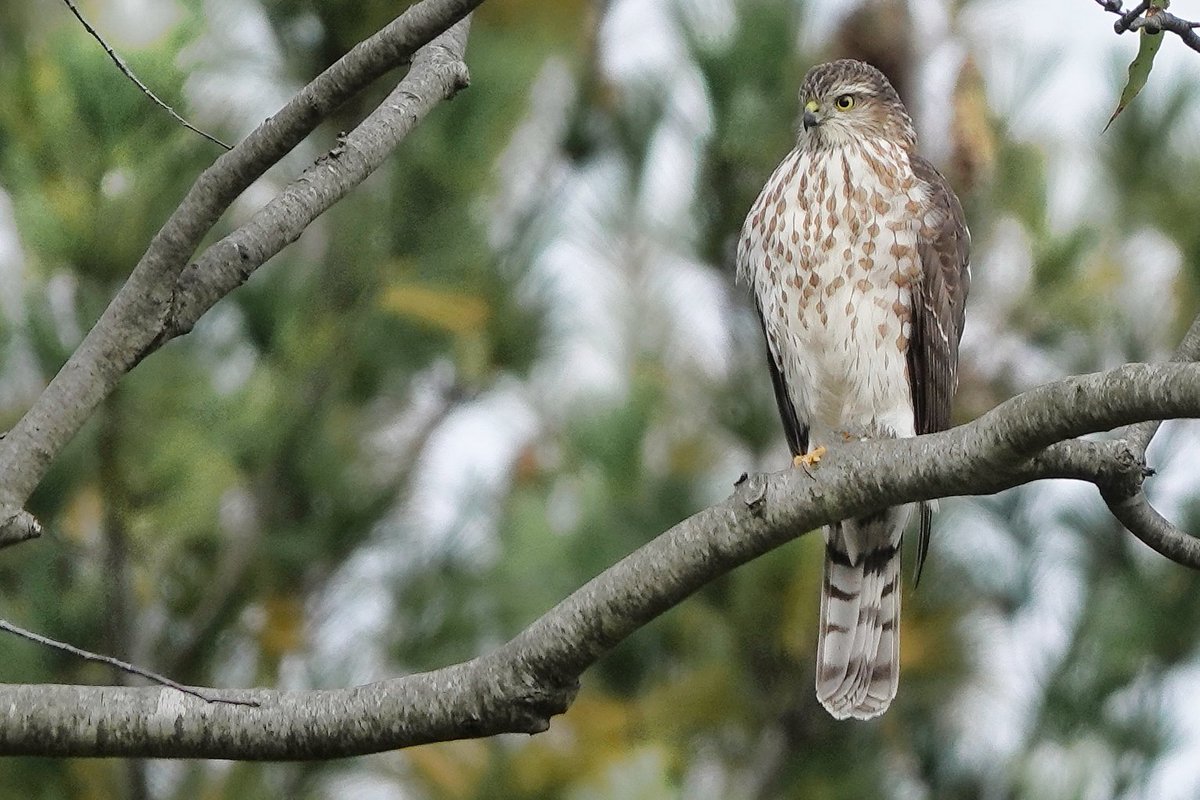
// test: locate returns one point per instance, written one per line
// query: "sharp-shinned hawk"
(857, 252)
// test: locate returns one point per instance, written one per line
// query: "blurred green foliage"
(244, 476)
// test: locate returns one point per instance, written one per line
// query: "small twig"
(1157, 22)
(1165, 21)
(128, 73)
(203, 694)
(1122, 24)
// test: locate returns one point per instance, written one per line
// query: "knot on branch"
(1127, 471)
(534, 707)
(523, 692)
(752, 491)
(17, 525)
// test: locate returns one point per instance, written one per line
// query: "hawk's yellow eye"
(844, 102)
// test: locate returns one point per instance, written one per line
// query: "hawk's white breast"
(830, 249)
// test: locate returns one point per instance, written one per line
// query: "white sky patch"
(364, 785)
(1014, 653)
(461, 475)
(980, 543)
(349, 621)
(237, 74)
(1176, 776)
(639, 38)
(18, 364)
(1001, 273)
(694, 297)
(12, 264)
(1173, 454)
(531, 165)
(933, 103)
(585, 353)
(1151, 266)
(822, 18)
(465, 467)
(712, 22)
(1078, 188)
(1080, 769)
(1048, 68)
(133, 23)
(669, 184)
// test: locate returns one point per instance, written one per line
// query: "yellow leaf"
(974, 140)
(454, 769)
(283, 629)
(703, 697)
(596, 731)
(447, 309)
(82, 517)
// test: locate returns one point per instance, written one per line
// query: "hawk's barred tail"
(858, 642)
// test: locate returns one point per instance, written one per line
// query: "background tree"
(516, 354)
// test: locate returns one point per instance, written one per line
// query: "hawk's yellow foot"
(810, 458)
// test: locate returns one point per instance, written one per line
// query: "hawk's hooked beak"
(810, 114)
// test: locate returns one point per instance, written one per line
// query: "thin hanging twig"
(207, 695)
(129, 74)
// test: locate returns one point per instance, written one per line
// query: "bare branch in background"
(438, 72)
(128, 73)
(207, 695)
(150, 301)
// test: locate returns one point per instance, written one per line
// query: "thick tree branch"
(1139, 436)
(134, 320)
(521, 685)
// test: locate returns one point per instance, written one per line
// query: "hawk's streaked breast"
(831, 249)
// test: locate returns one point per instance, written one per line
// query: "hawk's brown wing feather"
(795, 430)
(937, 323)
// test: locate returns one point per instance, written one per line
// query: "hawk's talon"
(809, 459)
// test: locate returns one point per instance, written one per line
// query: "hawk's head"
(847, 100)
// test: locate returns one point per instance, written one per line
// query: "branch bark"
(520, 686)
(146, 306)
